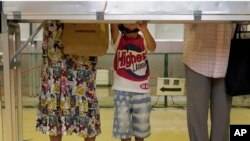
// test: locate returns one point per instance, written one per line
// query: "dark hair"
(125, 30)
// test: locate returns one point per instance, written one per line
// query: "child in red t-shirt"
(132, 100)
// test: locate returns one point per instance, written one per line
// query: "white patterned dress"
(67, 101)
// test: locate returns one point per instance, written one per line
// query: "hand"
(142, 26)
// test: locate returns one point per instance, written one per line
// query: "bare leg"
(90, 139)
(55, 138)
(129, 139)
(139, 139)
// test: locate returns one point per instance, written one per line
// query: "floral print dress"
(67, 101)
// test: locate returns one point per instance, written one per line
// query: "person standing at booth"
(206, 53)
(67, 100)
(132, 101)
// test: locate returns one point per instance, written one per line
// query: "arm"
(114, 32)
(151, 45)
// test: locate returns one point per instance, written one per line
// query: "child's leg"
(55, 138)
(90, 139)
(139, 139)
(141, 109)
(129, 139)
(122, 127)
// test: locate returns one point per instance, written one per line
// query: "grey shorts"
(131, 115)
